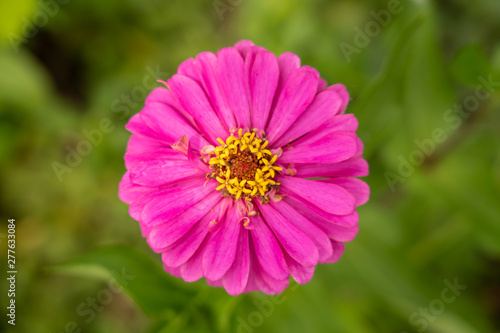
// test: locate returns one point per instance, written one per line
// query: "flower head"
(242, 170)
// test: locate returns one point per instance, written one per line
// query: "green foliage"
(141, 277)
(433, 215)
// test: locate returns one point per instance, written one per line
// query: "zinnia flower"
(241, 170)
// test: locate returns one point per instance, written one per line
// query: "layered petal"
(298, 91)
(167, 97)
(324, 106)
(358, 188)
(342, 124)
(318, 236)
(343, 94)
(294, 241)
(263, 79)
(221, 250)
(193, 99)
(354, 167)
(231, 71)
(175, 199)
(165, 120)
(267, 249)
(128, 191)
(138, 127)
(338, 250)
(302, 205)
(154, 173)
(206, 63)
(164, 233)
(288, 63)
(150, 153)
(184, 248)
(301, 274)
(236, 278)
(334, 148)
(188, 68)
(243, 47)
(331, 198)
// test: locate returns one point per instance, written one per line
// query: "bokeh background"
(417, 73)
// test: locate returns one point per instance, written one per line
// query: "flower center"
(243, 166)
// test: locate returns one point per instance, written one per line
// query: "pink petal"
(148, 153)
(193, 99)
(358, 188)
(166, 233)
(154, 173)
(263, 82)
(338, 232)
(315, 233)
(338, 249)
(344, 95)
(175, 199)
(138, 127)
(243, 46)
(135, 209)
(230, 67)
(321, 85)
(288, 63)
(299, 273)
(334, 231)
(359, 152)
(165, 120)
(341, 123)
(236, 278)
(138, 142)
(305, 207)
(167, 97)
(354, 167)
(293, 240)
(267, 249)
(188, 68)
(215, 283)
(331, 198)
(192, 270)
(184, 248)
(324, 106)
(297, 94)
(251, 283)
(221, 250)
(197, 161)
(175, 271)
(206, 62)
(129, 192)
(268, 284)
(333, 148)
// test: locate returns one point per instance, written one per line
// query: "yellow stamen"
(244, 166)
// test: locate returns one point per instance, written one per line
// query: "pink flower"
(242, 170)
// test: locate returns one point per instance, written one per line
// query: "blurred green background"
(424, 80)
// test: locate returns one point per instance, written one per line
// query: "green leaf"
(19, 15)
(468, 64)
(144, 280)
